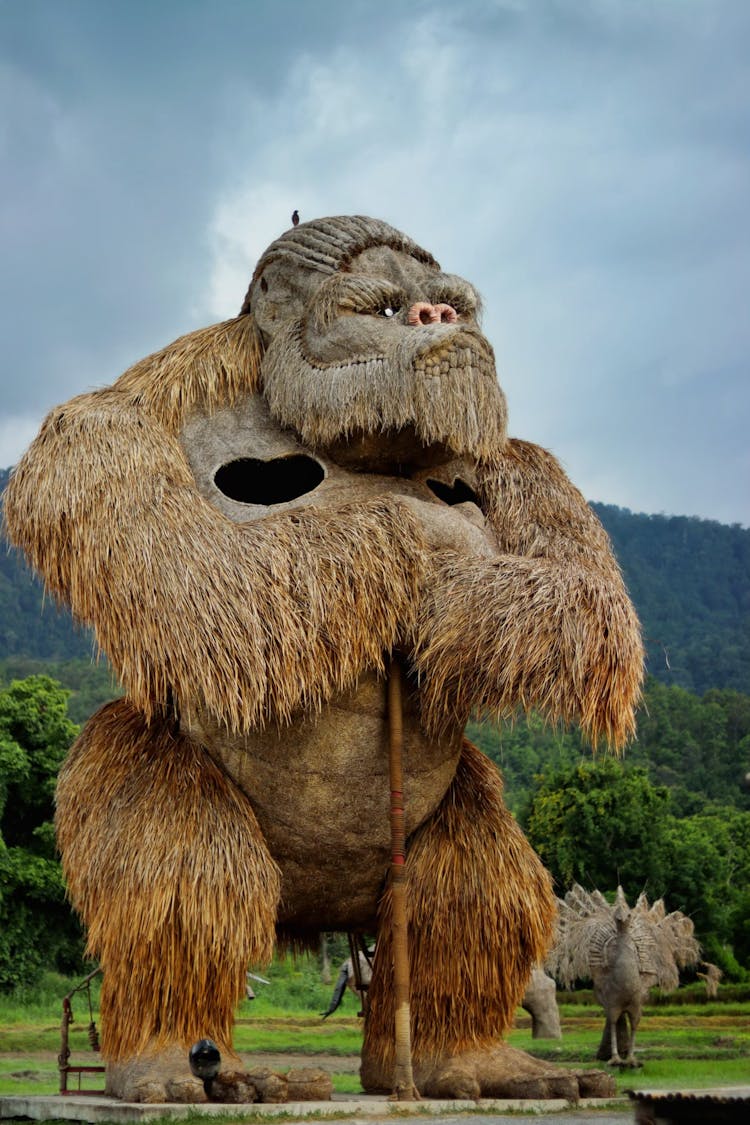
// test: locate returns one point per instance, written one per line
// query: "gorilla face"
(383, 365)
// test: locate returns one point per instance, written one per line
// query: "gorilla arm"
(547, 625)
(251, 621)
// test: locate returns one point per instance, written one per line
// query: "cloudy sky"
(586, 163)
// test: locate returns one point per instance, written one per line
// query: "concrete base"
(100, 1110)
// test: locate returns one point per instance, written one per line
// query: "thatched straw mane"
(205, 370)
(170, 585)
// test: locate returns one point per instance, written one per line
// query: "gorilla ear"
(279, 292)
(210, 368)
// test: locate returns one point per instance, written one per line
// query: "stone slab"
(100, 1110)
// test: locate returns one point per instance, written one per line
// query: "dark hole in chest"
(456, 493)
(252, 481)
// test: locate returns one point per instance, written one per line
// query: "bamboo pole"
(403, 1080)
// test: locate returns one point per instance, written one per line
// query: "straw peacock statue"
(625, 952)
(255, 520)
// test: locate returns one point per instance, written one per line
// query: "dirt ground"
(334, 1064)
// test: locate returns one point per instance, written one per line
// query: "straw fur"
(547, 625)
(278, 615)
(481, 913)
(165, 862)
(209, 368)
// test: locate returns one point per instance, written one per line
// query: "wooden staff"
(403, 1081)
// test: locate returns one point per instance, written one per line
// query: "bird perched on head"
(295, 218)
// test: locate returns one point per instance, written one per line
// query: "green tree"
(523, 748)
(699, 747)
(689, 581)
(37, 927)
(600, 823)
(89, 684)
(707, 875)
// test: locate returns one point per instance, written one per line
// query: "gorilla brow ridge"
(330, 245)
(353, 293)
(457, 292)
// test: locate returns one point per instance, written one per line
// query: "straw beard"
(444, 391)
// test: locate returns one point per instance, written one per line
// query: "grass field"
(681, 1046)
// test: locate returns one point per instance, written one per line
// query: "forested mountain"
(689, 579)
(697, 747)
(30, 624)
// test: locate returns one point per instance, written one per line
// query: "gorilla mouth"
(391, 452)
(461, 346)
(440, 394)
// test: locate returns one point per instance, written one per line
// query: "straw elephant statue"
(540, 1001)
(357, 982)
(539, 998)
(254, 521)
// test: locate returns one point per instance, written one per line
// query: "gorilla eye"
(389, 310)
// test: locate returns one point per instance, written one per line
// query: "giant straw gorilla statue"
(254, 520)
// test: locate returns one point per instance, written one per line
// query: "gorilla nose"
(422, 312)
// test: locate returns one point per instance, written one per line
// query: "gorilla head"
(371, 352)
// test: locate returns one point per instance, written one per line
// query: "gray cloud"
(585, 162)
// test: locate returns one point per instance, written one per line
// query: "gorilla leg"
(166, 864)
(480, 909)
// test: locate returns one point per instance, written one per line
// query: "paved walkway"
(103, 1111)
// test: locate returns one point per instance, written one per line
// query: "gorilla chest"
(320, 789)
(320, 785)
(250, 468)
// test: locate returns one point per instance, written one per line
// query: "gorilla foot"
(162, 1074)
(495, 1071)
